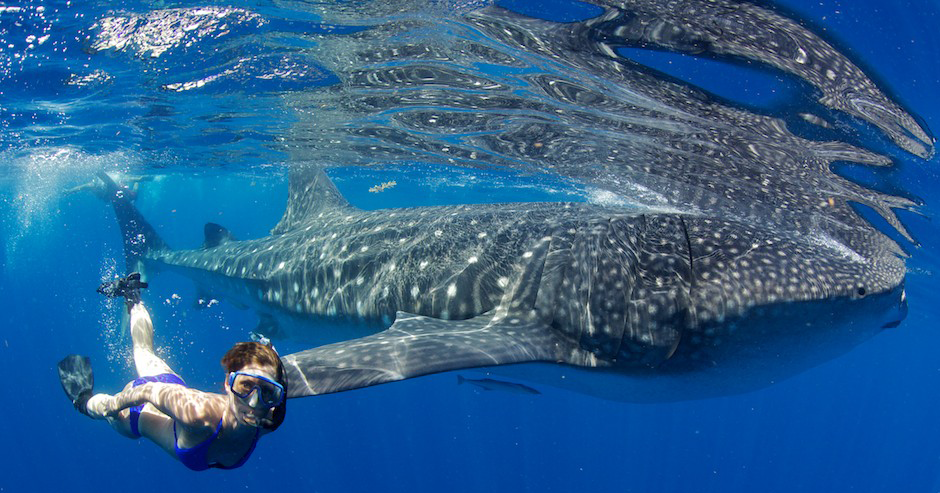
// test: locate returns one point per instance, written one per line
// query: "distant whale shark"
(654, 306)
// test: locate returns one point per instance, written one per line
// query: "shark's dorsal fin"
(216, 235)
(310, 192)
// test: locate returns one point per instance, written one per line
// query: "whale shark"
(618, 303)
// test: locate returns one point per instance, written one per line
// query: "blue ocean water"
(205, 116)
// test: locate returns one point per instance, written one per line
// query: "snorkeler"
(202, 430)
(100, 186)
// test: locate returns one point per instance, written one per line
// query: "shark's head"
(766, 305)
(685, 292)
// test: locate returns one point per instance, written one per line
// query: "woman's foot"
(128, 287)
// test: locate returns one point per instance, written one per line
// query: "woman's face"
(251, 410)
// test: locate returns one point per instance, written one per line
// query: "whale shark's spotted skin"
(495, 284)
(764, 268)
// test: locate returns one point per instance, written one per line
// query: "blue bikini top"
(197, 458)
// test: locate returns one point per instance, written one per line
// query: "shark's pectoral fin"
(415, 345)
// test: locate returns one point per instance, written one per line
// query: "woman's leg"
(147, 362)
(121, 422)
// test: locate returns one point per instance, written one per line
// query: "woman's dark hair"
(243, 354)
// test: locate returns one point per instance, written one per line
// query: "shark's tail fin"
(139, 236)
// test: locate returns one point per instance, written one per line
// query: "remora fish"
(491, 384)
(656, 306)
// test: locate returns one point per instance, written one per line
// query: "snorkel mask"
(256, 391)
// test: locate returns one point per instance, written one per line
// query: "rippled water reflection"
(474, 85)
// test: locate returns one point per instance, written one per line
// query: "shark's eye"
(861, 291)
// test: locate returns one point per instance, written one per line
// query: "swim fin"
(128, 287)
(77, 379)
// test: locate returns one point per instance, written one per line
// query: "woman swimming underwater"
(200, 429)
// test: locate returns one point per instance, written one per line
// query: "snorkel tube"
(281, 410)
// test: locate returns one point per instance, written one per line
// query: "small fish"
(379, 188)
(490, 384)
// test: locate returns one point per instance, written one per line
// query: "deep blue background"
(865, 422)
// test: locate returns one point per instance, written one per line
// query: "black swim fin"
(128, 287)
(77, 379)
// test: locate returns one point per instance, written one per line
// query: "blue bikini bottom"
(135, 411)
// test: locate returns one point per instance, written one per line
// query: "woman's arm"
(187, 406)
